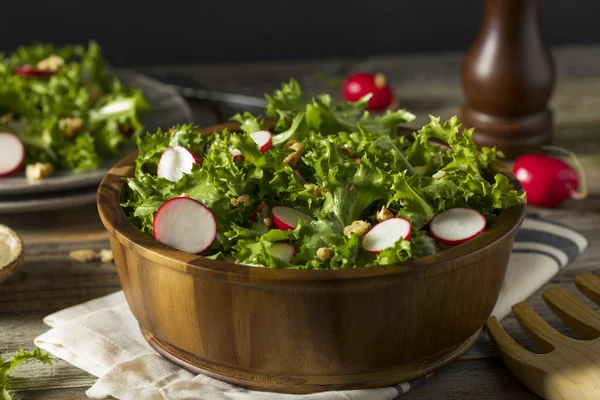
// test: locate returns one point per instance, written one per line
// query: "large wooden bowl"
(298, 331)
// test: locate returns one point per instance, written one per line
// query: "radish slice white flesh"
(263, 140)
(385, 234)
(175, 162)
(12, 154)
(185, 224)
(457, 225)
(286, 218)
(283, 251)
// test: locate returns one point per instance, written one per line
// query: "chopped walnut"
(82, 255)
(349, 188)
(172, 131)
(311, 187)
(324, 253)
(187, 196)
(6, 118)
(292, 159)
(38, 170)
(70, 126)
(51, 64)
(360, 228)
(243, 199)
(268, 222)
(439, 175)
(384, 214)
(106, 256)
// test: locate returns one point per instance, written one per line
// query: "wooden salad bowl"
(304, 331)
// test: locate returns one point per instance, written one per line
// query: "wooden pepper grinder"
(508, 79)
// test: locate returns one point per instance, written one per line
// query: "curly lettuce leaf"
(6, 368)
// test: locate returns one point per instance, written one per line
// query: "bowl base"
(302, 384)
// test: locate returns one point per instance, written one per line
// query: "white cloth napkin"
(102, 337)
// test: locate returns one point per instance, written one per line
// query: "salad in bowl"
(323, 184)
(62, 109)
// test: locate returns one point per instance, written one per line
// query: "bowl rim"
(121, 228)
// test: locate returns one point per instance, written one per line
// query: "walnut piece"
(187, 196)
(324, 254)
(268, 222)
(243, 199)
(360, 228)
(292, 159)
(106, 256)
(70, 126)
(38, 170)
(51, 64)
(82, 255)
(384, 214)
(311, 187)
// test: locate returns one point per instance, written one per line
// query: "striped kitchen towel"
(102, 337)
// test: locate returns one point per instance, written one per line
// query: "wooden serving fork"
(568, 369)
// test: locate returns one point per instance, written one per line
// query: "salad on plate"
(325, 185)
(62, 109)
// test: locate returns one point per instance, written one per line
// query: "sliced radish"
(457, 225)
(263, 140)
(185, 224)
(12, 154)
(385, 234)
(31, 72)
(261, 212)
(175, 162)
(286, 218)
(283, 251)
(300, 177)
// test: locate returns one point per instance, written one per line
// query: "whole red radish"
(362, 83)
(549, 181)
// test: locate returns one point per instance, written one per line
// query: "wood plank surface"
(427, 84)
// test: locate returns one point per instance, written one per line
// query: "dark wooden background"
(160, 32)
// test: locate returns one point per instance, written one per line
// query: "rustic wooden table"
(426, 84)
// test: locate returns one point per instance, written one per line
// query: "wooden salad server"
(568, 368)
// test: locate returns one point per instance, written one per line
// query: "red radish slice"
(175, 162)
(385, 234)
(457, 225)
(286, 218)
(300, 177)
(12, 154)
(283, 251)
(31, 72)
(263, 140)
(261, 212)
(185, 224)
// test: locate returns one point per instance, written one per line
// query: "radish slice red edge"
(261, 212)
(31, 72)
(385, 234)
(285, 218)
(12, 154)
(175, 162)
(457, 225)
(185, 224)
(283, 251)
(263, 139)
(300, 177)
